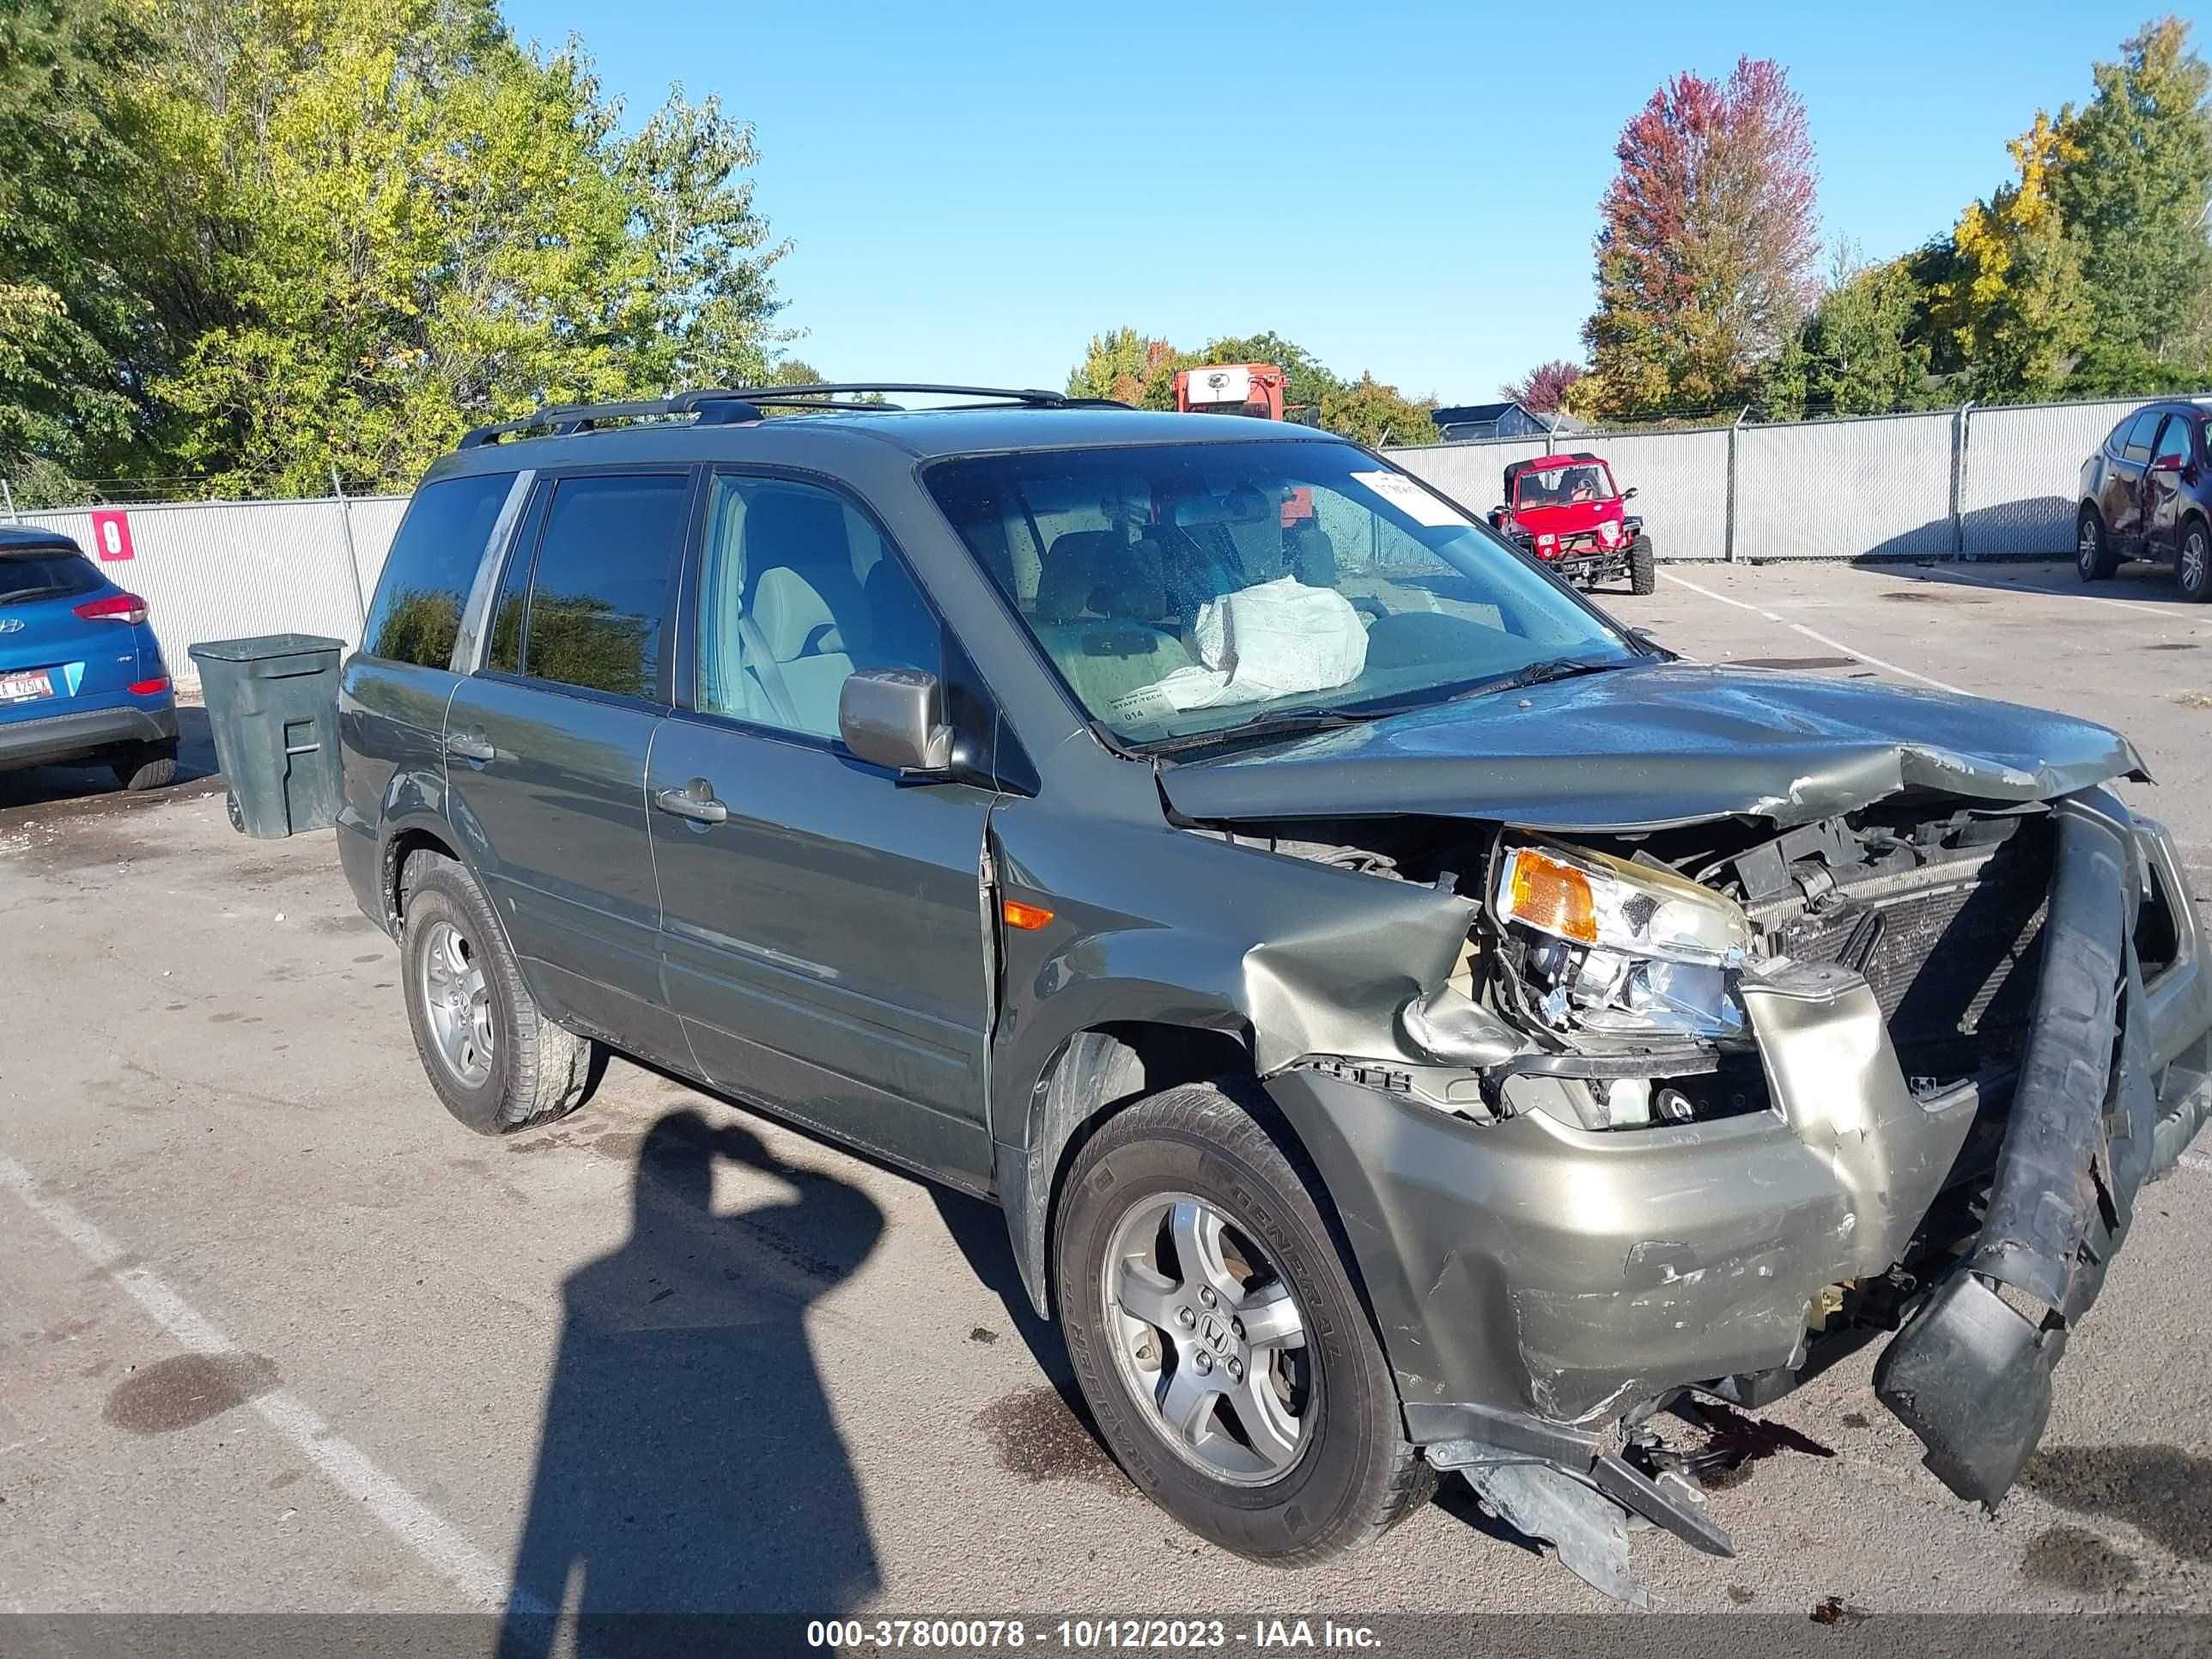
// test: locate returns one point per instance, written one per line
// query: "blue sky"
(974, 189)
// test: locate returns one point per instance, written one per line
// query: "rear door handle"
(695, 801)
(470, 745)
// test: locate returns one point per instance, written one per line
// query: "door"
(546, 746)
(2122, 501)
(822, 926)
(2170, 457)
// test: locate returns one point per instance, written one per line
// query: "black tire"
(2094, 558)
(151, 766)
(2193, 561)
(1356, 1475)
(1642, 566)
(537, 1072)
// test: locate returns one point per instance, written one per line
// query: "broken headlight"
(1619, 949)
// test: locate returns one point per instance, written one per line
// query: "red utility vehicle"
(1565, 510)
(1256, 390)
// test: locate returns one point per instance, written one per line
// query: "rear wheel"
(1217, 1338)
(149, 766)
(497, 1063)
(2194, 566)
(2093, 558)
(1642, 566)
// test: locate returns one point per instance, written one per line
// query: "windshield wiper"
(1539, 673)
(1271, 723)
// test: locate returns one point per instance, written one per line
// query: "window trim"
(472, 640)
(684, 703)
(528, 540)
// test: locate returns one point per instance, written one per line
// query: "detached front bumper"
(1534, 1282)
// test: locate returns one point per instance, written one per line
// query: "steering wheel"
(1370, 607)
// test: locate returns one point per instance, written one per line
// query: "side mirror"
(1629, 494)
(895, 717)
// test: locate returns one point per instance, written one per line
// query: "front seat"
(807, 663)
(804, 531)
(1099, 598)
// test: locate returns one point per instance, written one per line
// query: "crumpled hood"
(1648, 747)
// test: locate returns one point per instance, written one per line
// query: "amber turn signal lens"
(1027, 917)
(1552, 897)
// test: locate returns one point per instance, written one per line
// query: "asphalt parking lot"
(276, 1335)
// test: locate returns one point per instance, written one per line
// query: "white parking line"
(1832, 644)
(2135, 605)
(434, 1539)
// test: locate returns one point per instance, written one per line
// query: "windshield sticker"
(1415, 502)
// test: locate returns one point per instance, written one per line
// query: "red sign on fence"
(110, 534)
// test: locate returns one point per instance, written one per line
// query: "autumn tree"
(1706, 243)
(1543, 390)
(2010, 305)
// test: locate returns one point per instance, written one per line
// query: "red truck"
(1565, 510)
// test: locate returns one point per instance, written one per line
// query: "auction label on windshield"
(1409, 498)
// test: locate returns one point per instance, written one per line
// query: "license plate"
(26, 687)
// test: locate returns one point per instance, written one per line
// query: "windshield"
(1565, 486)
(1187, 589)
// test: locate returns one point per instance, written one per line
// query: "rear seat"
(1098, 605)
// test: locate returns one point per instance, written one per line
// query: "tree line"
(249, 241)
(1140, 370)
(2085, 273)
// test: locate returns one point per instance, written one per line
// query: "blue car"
(81, 677)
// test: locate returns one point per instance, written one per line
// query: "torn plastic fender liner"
(1971, 1373)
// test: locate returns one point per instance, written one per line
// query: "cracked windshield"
(1183, 590)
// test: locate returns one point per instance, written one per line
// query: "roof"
(925, 434)
(15, 537)
(1476, 414)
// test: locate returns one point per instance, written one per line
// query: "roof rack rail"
(729, 406)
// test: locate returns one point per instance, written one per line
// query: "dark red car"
(1565, 511)
(2147, 494)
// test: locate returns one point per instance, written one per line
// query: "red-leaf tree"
(1704, 256)
(1544, 388)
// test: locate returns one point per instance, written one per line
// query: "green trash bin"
(273, 704)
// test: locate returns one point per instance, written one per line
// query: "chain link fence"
(1965, 482)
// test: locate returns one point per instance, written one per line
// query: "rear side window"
(428, 573)
(2137, 445)
(2174, 442)
(599, 590)
(45, 572)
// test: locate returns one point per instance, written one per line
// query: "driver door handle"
(470, 745)
(695, 801)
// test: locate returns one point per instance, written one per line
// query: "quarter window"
(797, 591)
(429, 571)
(600, 585)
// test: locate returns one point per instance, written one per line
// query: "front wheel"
(1217, 1338)
(2194, 567)
(495, 1060)
(1642, 566)
(2094, 558)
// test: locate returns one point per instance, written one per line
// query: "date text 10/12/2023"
(1092, 1635)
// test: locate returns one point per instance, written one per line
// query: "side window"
(600, 587)
(2172, 449)
(2137, 446)
(430, 568)
(505, 652)
(796, 590)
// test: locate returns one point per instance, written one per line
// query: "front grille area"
(1959, 950)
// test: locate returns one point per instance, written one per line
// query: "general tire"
(2094, 559)
(1357, 1476)
(153, 766)
(2193, 565)
(537, 1071)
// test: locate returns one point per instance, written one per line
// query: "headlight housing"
(1620, 950)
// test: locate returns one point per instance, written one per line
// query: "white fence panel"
(2023, 469)
(1877, 487)
(1680, 481)
(222, 570)
(375, 521)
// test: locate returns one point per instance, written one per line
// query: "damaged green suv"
(1410, 1022)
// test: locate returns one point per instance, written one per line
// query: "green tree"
(1120, 364)
(2131, 193)
(1374, 414)
(1858, 353)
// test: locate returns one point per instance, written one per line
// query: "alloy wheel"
(2194, 556)
(1205, 1327)
(458, 1004)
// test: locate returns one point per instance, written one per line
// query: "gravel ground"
(276, 1336)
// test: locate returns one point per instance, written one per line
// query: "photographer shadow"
(690, 1481)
